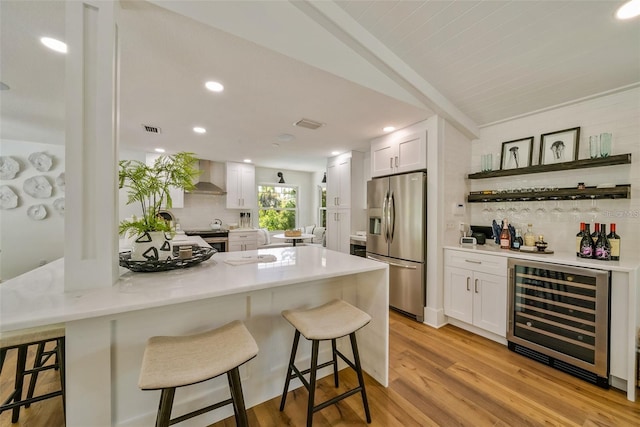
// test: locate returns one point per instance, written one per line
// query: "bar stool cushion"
(32, 335)
(334, 319)
(176, 361)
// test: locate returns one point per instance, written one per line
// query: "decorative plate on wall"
(38, 187)
(58, 205)
(37, 212)
(41, 161)
(8, 199)
(9, 167)
(60, 182)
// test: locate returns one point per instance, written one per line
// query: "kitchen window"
(322, 210)
(277, 207)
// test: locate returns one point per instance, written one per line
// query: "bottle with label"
(529, 237)
(614, 241)
(517, 242)
(603, 247)
(505, 235)
(596, 233)
(586, 243)
(579, 238)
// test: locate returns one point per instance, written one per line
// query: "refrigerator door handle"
(384, 218)
(392, 217)
(409, 267)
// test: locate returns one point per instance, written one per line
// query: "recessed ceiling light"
(285, 137)
(247, 160)
(159, 150)
(388, 129)
(629, 10)
(214, 86)
(199, 129)
(54, 44)
(335, 153)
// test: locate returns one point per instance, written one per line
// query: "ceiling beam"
(342, 26)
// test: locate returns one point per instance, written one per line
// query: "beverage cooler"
(559, 315)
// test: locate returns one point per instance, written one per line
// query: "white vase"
(151, 246)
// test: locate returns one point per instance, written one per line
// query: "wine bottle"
(596, 233)
(579, 238)
(517, 242)
(586, 243)
(529, 237)
(614, 241)
(505, 235)
(603, 248)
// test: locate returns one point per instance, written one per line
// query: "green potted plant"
(149, 186)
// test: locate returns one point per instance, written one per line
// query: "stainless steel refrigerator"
(396, 235)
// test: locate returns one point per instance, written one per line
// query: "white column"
(91, 239)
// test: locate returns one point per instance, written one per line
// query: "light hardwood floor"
(437, 377)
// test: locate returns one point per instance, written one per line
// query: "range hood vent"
(205, 186)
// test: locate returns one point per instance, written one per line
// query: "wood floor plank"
(438, 377)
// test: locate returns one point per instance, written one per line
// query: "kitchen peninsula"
(106, 329)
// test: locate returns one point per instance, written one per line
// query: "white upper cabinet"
(241, 186)
(339, 182)
(398, 152)
(176, 194)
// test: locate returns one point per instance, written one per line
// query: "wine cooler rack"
(559, 315)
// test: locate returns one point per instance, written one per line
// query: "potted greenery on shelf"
(150, 186)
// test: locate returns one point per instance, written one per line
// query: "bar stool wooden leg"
(356, 357)
(315, 344)
(292, 359)
(164, 410)
(335, 362)
(238, 399)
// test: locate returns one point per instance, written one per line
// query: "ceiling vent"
(152, 129)
(309, 124)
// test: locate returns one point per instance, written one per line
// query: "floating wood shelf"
(619, 159)
(618, 192)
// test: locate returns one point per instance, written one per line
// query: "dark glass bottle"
(586, 244)
(517, 242)
(596, 232)
(579, 238)
(614, 241)
(603, 248)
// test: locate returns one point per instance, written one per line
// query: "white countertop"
(37, 297)
(625, 264)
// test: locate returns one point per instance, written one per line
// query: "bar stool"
(330, 321)
(21, 340)
(171, 362)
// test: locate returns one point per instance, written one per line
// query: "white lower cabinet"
(243, 241)
(475, 290)
(338, 229)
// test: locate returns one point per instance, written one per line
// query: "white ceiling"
(354, 65)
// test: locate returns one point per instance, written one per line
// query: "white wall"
(26, 243)
(617, 113)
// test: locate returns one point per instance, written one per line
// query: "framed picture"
(517, 153)
(560, 146)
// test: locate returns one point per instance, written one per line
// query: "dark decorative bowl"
(149, 266)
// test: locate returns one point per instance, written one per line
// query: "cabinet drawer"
(491, 264)
(242, 237)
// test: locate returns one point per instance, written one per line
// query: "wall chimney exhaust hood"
(205, 185)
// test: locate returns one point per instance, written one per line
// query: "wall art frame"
(559, 146)
(516, 153)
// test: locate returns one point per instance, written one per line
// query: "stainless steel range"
(217, 239)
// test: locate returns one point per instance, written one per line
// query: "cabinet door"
(235, 246)
(338, 229)
(339, 183)
(382, 157)
(411, 153)
(458, 294)
(490, 303)
(248, 187)
(234, 191)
